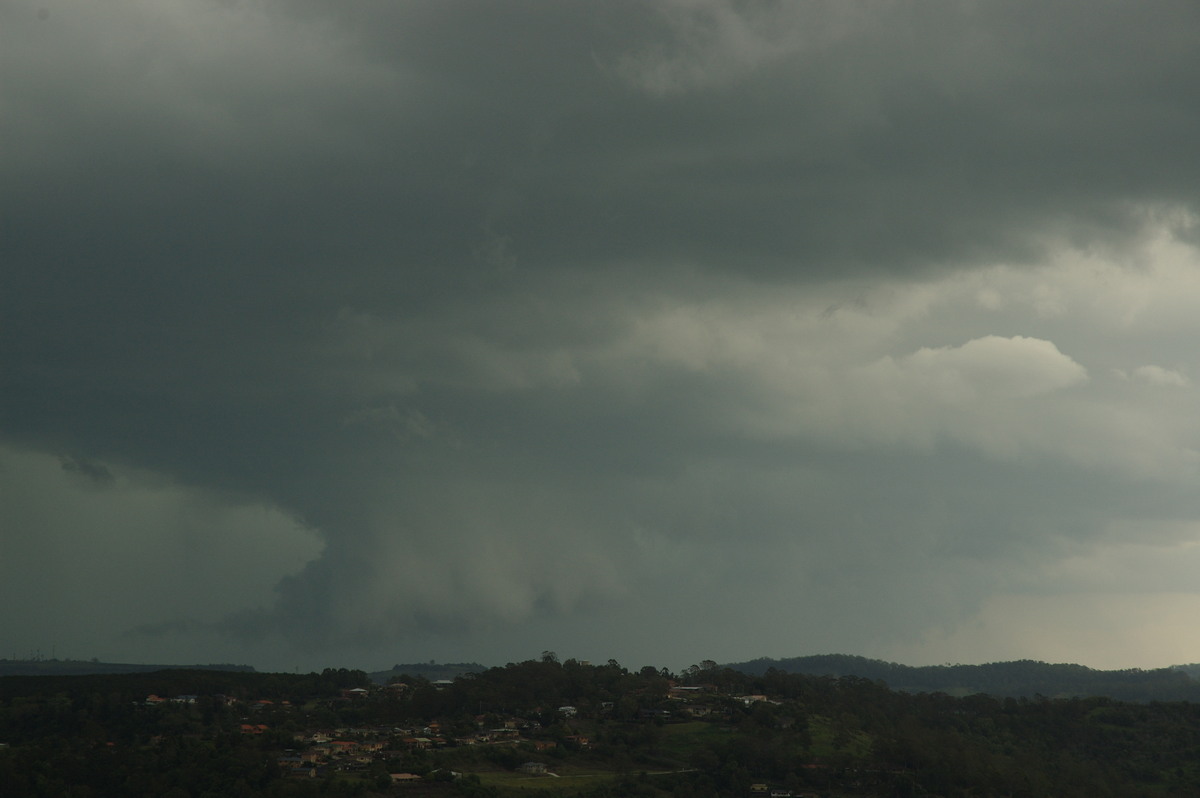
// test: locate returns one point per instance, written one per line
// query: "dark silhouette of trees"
(847, 735)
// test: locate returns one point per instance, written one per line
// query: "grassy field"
(676, 742)
(562, 778)
(827, 740)
(680, 740)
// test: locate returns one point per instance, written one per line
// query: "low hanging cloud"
(789, 369)
(112, 549)
(991, 367)
(1159, 376)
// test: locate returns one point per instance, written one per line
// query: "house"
(684, 692)
(535, 768)
(404, 778)
(503, 734)
(417, 742)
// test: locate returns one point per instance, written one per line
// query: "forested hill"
(1005, 679)
(79, 667)
(575, 730)
(1191, 669)
(433, 671)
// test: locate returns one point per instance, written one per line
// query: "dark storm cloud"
(421, 135)
(517, 304)
(797, 139)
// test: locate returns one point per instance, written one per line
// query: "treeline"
(857, 731)
(539, 687)
(1191, 669)
(433, 671)
(135, 687)
(708, 732)
(97, 735)
(834, 735)
(1026, 678)
(79, 667)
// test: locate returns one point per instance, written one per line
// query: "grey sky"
(347, 334)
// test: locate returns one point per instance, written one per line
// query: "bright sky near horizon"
(345, 334)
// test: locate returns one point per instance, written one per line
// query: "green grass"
(567, 779)
(826, 742)
(681, 740)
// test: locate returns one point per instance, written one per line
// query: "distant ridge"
(1191, 669)
(432, 671)
(1021, 678)
(77, 667)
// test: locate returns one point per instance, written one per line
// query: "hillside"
(432, 671)
(78, 667)
(550, 728)
(1023, 678)
(1191, 669)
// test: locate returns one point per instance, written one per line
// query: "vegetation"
(1005, 679)
(80, 667)
(433, 671)
(545, 727)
